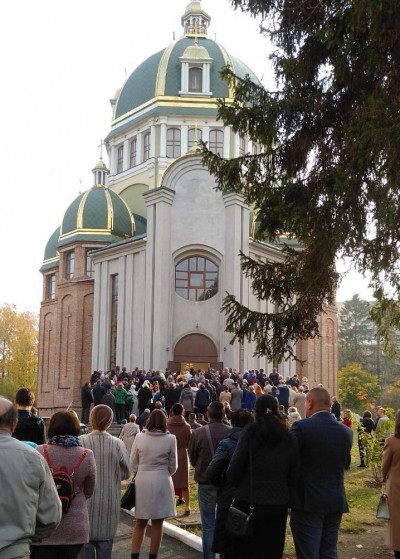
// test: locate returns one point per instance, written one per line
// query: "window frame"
(173, 142)
(51, 287)
(195, 79)
(120, 158)
(192, 133)
(218, 142)
(133, 153)
(196, 278)
(89, 270)
(146, 146)
(70, 265)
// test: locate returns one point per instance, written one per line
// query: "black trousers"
(55, 551)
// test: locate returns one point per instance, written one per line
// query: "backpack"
(64, 480)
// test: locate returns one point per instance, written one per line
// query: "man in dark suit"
(319, 499)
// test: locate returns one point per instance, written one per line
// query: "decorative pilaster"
(158, 273)
(236, 240)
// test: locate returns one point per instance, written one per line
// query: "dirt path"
(372, 542)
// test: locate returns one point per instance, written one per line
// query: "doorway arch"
(196, 348)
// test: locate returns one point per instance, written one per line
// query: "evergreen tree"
(328, 174)
(357, 335)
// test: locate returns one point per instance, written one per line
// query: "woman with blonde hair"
(154, 461)
(258, 390)
(112, 463)
(391, 477)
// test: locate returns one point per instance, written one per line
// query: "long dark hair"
(269, 426)
(157, 421)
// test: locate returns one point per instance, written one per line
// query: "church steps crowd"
(245, 435)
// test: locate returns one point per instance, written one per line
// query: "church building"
(136, 273)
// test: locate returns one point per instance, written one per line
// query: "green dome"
(51, 256)
(98, 214)
(160, 74)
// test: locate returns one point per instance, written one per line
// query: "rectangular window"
(51, 287)
(194, 137)
(70, 265)
(196, 79)
(120, 159)
(146, 146)
(173, 142)
(114, 320)
(89, 264)
(216, 144)
(133, 153)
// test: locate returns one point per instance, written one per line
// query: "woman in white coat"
(153, 460)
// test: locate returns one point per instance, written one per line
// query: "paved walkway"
(171, 547)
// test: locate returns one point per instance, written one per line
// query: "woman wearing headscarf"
(154, 461)
(112, 463)
(268, 481)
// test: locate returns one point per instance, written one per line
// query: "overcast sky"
(61, 63)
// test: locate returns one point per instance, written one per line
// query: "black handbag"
(128, 498)
(239, 522)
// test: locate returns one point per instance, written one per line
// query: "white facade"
(186, 217)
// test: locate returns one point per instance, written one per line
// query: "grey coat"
(112, 463)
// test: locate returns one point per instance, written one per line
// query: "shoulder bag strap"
(79, 462)
(207, 428)
(47, 457)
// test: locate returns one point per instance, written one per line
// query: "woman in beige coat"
(154, 461)
(391, 476)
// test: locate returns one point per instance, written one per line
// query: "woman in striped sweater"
(112, 463)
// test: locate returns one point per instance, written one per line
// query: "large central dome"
(166, 83)
(160, 74)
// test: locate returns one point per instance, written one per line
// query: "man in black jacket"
(86, 401)
(30, 427)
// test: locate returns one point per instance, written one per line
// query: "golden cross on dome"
(101, 148)
(196, 31)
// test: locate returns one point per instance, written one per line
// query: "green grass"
(362, 495)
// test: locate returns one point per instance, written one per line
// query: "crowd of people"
(260, 442)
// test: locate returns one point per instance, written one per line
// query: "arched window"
(216, 142)
(195, 79)
(195, 135)
(173, 142)
(196, 278)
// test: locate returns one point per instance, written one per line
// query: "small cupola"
(195, 20)
(100, 173)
